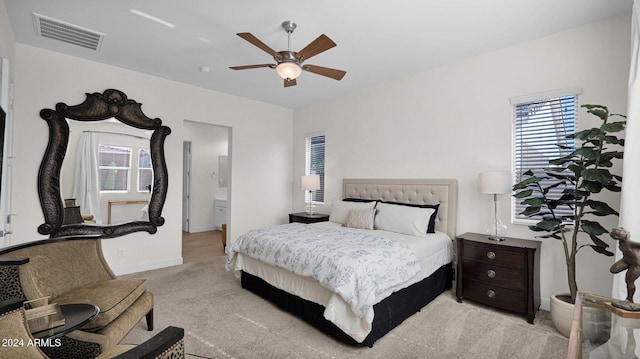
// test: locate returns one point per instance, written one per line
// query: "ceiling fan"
(289, 64)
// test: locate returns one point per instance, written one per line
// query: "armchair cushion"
(113, 297)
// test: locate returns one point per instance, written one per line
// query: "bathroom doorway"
(206, 180)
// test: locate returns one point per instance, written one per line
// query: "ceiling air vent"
(65, 32)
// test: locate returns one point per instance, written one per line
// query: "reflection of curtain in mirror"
(86, 186)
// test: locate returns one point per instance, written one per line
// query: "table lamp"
(310, 183)
(495, 183)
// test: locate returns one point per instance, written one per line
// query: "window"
(314, 162)
(114, 163)
(145, 173)
(539, 127)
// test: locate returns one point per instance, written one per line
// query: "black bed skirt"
(388, 314)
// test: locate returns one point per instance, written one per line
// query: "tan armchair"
(18, 342)
(73, 270)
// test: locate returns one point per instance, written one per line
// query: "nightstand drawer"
(495, 275)
(304, 217)
(494, 296)
(494, 254)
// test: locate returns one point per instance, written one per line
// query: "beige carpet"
(222, 320)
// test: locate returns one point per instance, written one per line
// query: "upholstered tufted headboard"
(413, 191)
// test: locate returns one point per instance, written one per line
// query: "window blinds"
(314, 160)
(540, 126)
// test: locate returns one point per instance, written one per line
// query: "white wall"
(7, 41)
(456, 121)
(259, 131)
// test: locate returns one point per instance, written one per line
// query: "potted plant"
(561, 197)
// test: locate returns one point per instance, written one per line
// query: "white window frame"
(308, 170)
(118, 167)
(545, 99)
(150, 168)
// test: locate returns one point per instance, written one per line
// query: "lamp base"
(497, 238)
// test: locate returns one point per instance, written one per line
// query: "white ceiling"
(377, 40)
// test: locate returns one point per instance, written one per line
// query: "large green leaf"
(546, 189)
(534, 202)
(600, 111)
(609, 155)
(612, 127)
(548, 224)
(601, 251)
(597, 175)
(613, 187)
(562, 160)
(526, 182)
(523, 194)
(611, 139)
(592, 228)
(586, 152)
(576, 168)
(530, 211)
(563, 176)
(587, 134)
(598, 242)
(602, 208)
(591, 186)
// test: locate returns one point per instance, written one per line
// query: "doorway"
(206, 180)
(6, 152)
(186, 185)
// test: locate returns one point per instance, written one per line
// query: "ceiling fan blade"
(254, 40)
(250, 66)
(321, 44)
(325, 71)
(288, 83)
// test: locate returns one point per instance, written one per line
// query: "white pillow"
(403, 219)
(340, 209)
(361, 219)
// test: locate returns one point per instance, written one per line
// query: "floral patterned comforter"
(356, 266)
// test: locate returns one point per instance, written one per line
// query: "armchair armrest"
(13, 261)
(158, 344)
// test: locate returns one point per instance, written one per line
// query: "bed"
(363, 316)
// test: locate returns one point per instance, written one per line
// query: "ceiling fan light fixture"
(288, 70)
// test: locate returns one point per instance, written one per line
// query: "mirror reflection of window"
(145, 172)
(114, 164)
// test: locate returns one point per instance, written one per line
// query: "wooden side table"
(503, 275)
(305, 217)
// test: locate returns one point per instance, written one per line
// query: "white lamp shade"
(494, 182)
(310, 183)
(288, 70)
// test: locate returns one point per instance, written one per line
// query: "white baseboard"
(204, 229)
(545, 304)
(135, 268)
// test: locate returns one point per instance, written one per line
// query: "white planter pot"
(595, 320)
(561, 313)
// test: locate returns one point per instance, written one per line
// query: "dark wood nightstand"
(305, 217)
(504, 274)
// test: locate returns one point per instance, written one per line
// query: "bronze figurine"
(631, 262)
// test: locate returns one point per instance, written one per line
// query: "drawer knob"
(491, 255)
(491, 273)
(491, 294)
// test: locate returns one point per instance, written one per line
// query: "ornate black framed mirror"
(112, 105)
